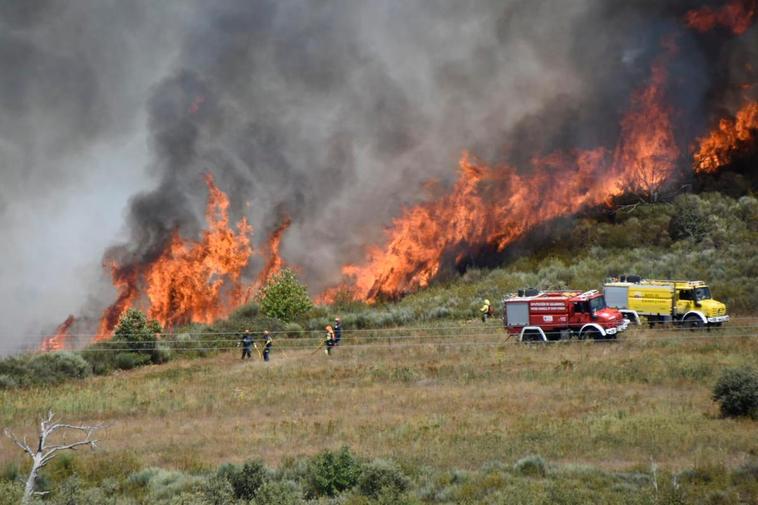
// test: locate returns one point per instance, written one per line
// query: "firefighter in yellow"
(267, 344)
(486, 310)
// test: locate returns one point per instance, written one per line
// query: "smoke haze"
(335, 113)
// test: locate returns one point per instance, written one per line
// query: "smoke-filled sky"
(333, 112)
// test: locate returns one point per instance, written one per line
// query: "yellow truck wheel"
(693, 322)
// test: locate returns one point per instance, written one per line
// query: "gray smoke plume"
(334, 112)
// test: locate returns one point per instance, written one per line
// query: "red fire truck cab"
(560, 315)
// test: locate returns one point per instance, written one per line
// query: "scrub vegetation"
(424, 403)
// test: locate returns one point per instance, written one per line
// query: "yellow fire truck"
(665, 301)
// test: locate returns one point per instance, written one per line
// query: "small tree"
(45, 452)
(689, 220)
(330, 473)
(284, 297)
(137, 331)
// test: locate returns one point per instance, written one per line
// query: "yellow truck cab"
(665, 301)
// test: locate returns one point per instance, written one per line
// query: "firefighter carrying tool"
(328, 341)
(267, 344)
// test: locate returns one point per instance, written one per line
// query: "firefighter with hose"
(267, 344)
(247, 344)
(337, 330)
(328, 341)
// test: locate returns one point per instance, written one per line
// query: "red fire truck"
(560, 315)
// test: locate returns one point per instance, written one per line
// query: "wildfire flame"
(719, 147)
(275, 261)
(58, 340)
(494, 206)
(736, 15)
(191, 281)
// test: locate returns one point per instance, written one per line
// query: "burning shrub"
(285, 297)
(737, 392)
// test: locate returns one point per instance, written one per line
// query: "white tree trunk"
(44, 452)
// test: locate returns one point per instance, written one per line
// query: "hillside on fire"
(432, 252)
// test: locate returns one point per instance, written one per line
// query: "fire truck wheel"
(590, 334)
(693, 322)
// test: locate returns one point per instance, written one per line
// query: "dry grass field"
(457, 404)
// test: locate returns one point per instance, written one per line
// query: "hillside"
(465, 414)
(470, 403)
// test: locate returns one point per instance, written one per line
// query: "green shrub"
(277, 493)
(246, 479)
(382, 477)
(330, 473)
(248, 311)
(162, 484)
(293, 330)
(102, 360)
(190, 498)
(7, 382)
(129, 360)
(531, 466)
(217, 490)
(439, 313)
(10, 493)
(161, 354)
(737, 392)
(284, 297)
(136, 331)
(55, 367)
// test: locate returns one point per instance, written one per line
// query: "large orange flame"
(191, 281)
(494, 206)
(275, 261)
(736, 15)
(59, 339)
(719, 147)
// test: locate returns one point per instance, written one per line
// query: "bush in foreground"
(737, 392)
(330, 473)
(382, 477)
(531, 466)
(245, 479)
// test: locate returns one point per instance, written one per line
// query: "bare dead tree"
(44, 452)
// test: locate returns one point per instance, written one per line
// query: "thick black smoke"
(336, 112)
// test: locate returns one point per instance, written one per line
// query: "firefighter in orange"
(329, 340)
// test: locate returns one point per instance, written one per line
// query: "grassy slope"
(615, 406)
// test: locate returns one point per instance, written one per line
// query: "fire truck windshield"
(597, 303)
(702, 294)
